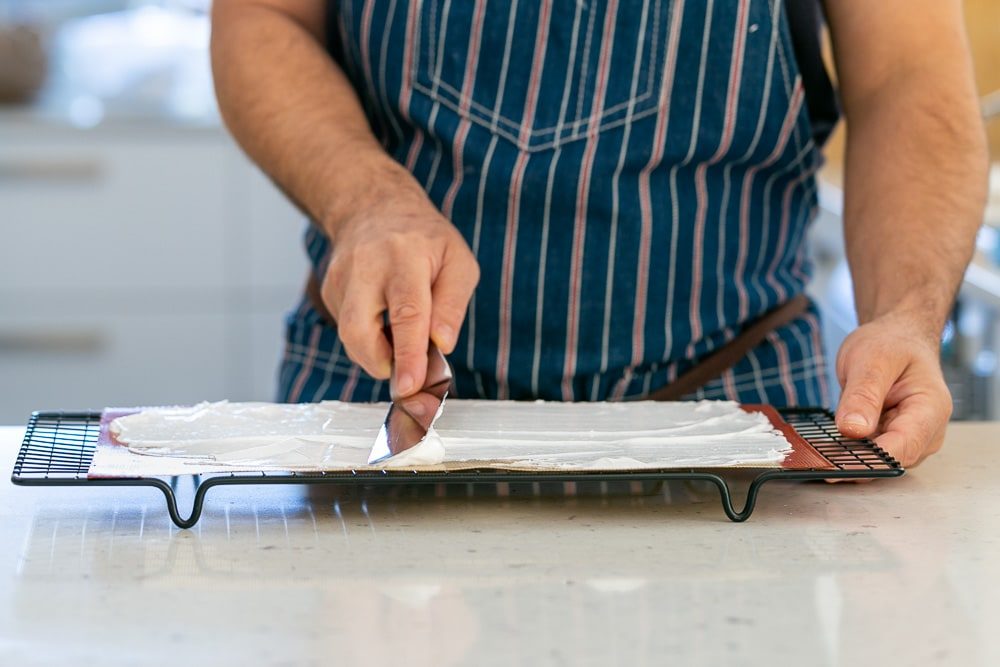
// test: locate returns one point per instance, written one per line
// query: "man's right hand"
(397, 254)
(297, 114)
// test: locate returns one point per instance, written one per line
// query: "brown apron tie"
(708, 369)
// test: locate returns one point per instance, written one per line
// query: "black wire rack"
(59, 446)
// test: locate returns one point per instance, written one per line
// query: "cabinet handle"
(51, 342)
(59, 171)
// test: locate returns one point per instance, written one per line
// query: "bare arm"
(915, 185)
(296, 114)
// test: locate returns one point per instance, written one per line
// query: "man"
(631, 182)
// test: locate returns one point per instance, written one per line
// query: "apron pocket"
(595, 71)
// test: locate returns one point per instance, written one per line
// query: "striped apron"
(635, 178)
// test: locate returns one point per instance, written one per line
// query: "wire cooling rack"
(59, 446)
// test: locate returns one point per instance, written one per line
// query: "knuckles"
(393, 255)
(403, 313)
(348, 325)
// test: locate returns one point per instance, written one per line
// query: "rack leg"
(726, 496)
(172, 504)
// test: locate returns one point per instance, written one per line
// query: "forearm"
(914, 192)
(294, 111)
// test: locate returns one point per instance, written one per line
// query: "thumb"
(867, 380)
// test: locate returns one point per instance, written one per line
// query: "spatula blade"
(408, 419)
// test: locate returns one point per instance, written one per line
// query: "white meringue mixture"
(332, 435)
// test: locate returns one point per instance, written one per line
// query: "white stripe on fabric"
(383, 69)
(820, 355)
(645, 204)
(543, 252)
(306, 368)
(347, 17)
(804, 352)
(674, 210)
(758, 383)
(406, 89)
(584, 65)
(747, 378)
(484, 178)
(794, 271)
(783, 232)
(768, 380)
(765, 232)
(547, 214)
(328, 373)
(470, 64)
(783, 367)
(720, 275)
(514, 203)
(364, 47)
(583, 194)
(615, 185)
(464, 124)
(476, 238)
(701, 187)
(791, 118)
(791, 86)
(504, 66)
(347, 392)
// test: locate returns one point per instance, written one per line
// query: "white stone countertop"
(896, 572)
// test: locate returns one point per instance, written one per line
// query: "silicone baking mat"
(113, 459)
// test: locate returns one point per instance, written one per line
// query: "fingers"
(909, 435)
(408, 302)
(912, 431)
(414, 268)
(916, 431)
(894, 390)
(359, 326)
(451, 293)
(867, 382)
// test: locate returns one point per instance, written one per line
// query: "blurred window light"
(50, 12)
(86, 111)
(133, 59)
(985, 364)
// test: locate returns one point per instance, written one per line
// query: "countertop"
(896, 572)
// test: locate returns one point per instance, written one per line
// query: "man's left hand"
(893, 387)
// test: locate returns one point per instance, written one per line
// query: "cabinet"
(140, 263)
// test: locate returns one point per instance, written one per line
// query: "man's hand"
(398, 255)
(297, 115)
(914, 190)
(893, 387)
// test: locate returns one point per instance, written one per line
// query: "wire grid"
(819, 429)
(60, 445)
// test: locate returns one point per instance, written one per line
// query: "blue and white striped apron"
(634, 177)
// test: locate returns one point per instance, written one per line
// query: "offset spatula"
(409, 419)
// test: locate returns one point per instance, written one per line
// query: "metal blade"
(408, 419)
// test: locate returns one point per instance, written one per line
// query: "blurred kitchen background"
(144, 260)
